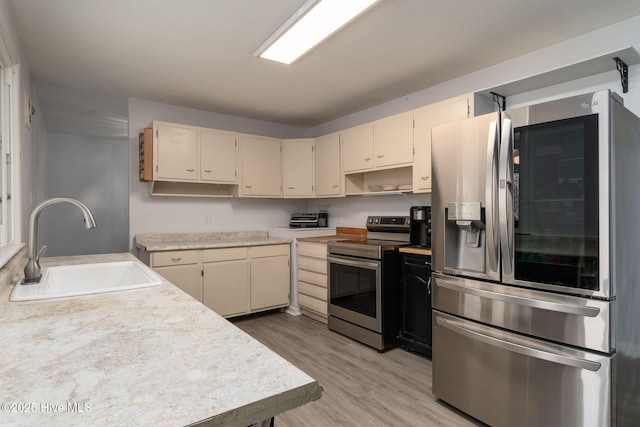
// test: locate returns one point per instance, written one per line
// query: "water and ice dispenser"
(465, 237)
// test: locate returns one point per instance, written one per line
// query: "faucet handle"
(42, 250)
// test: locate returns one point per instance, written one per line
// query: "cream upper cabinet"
(218, 156)
(298, 167)
(393, 141)
(357, 148)
(177, 153)
(425, 119)
(328, 173)
(261, 166)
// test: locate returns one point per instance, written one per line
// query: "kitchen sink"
(85, 279)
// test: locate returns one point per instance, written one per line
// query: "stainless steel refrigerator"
(536, 260)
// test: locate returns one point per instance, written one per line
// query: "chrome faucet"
(32, 269)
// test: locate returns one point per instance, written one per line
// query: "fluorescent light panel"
(311, 24)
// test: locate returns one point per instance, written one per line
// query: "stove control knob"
(377, 220)
(370, 220)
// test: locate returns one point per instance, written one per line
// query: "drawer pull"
(176, 259)
(424, 178)
(191, 170)
(335, 185)
(248, 186)
(291, 188)
(207, 171)
(366, 159)
(380, 156)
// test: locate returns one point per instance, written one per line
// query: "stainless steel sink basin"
(85, 279)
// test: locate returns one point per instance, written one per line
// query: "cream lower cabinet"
(230, 281)
(312, 279)
(182, 268)
(270, 275)
(225, 279)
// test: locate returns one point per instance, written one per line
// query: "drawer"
(268, 250)
(224, 254)
(311, 249)
(159, 259)
(313, 304)
(312, 290)
(312, 264)
(311, 277)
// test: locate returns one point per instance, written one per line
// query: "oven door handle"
(528, 302)
(521, 349)
(353, 263)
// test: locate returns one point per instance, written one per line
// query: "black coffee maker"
(420, 226)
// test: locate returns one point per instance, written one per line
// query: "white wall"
(582, 48)
(93, 170)
(185, 215)
(151, 215)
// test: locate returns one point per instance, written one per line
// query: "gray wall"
(93, 170)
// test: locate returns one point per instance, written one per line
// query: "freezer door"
(566, 319)
(505, 380)
(464, 158)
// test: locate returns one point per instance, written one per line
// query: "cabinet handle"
(291, 188)
(380, 156)
(424, 178)
(191, 170)
(335, 185)
(176, 259)
(366, 159)
(207, 170)
(248, 186)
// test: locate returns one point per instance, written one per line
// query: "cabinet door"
(425, 119)
(270, 279)
(218, 156)
(298, 167)
(226, 287)
(357, 148)
(393, 141)
(183, 276)
(177, 149)
(328, 176)
(261, 166)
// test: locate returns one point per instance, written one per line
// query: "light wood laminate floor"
(361, 386)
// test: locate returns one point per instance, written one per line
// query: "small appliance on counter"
(420, 226)
(309, 220)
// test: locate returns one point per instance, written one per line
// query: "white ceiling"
(198, 53)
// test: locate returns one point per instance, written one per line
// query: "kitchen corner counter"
(175, 242)
(152, 356)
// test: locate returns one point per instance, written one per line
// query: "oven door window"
(354, 288)
(556, 209)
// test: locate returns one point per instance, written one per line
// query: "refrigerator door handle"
(521, 349)
(505, 198)
(527, 302)
(493, 237)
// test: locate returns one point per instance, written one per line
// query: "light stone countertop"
(175, 242)
(146, 357)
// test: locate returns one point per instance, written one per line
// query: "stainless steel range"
(364, 288)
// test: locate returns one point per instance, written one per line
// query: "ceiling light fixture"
(312, 23)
